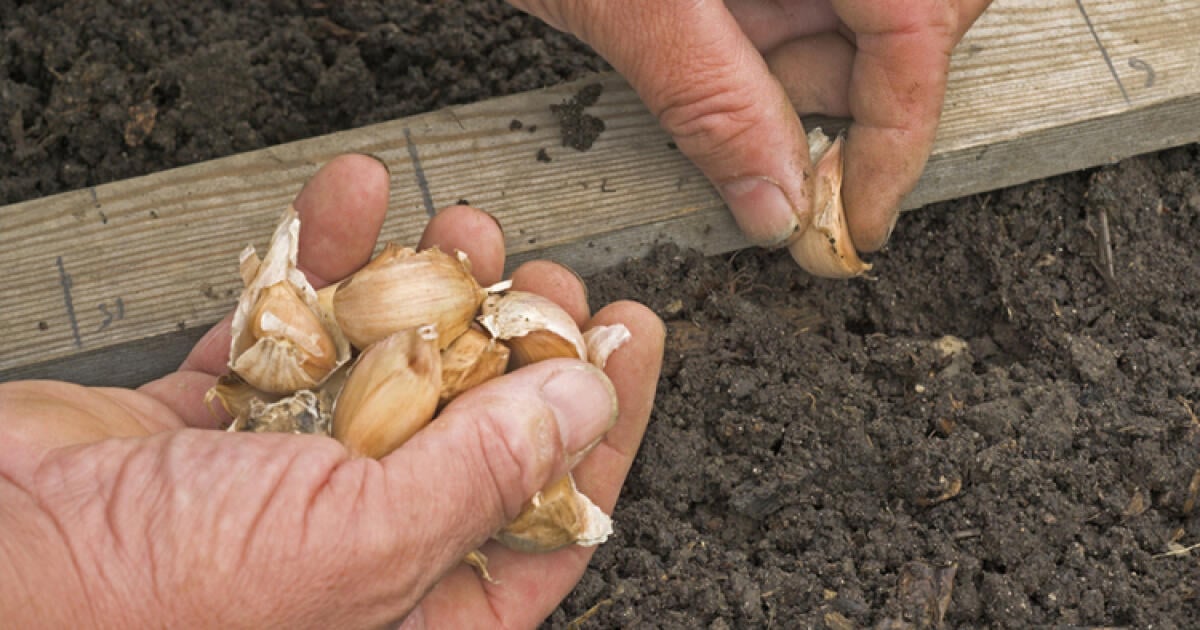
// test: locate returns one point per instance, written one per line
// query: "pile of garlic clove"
(373, 359)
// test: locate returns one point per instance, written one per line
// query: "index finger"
(897, 86)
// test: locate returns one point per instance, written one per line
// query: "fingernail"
(891, 228)
(380, 160)
(761, 210)
(584, 404)
(494, 220)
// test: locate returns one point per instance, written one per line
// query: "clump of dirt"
(998, 428)
(579, 128)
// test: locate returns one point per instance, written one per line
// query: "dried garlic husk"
(302, 412)
(390, 393)
(602, 341)
(402, 288)
(533, 327)
(282, 341)
(825, 248)
(558, 516)
(235, 396)
(469, 361)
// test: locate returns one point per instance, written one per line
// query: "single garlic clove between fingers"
(558, 516)
(825, 248)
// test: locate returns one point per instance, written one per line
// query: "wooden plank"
(128, 273)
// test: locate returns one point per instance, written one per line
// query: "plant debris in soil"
(998, 428)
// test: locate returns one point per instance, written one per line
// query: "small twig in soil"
(1106, 251)
(1181, 551)
(577, 622)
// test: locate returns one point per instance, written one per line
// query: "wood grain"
(1035, 91)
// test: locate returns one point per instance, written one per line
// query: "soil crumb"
(579, 128)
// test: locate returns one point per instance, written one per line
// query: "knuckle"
(515, 460)
(706, 115)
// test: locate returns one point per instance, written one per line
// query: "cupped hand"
(727, 78)
(126, 508)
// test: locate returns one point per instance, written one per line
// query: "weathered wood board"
(113, 283)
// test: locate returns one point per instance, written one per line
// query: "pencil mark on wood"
(109, 316)
(64, 279)
(1138, 64)
(419, 173)
(1103, 51)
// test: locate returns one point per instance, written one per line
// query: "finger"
(897, 85)
(532, 585)
(475, 466)
(341, 209)
(711, 90)
(557, 283)
(815, 73)
(473, 232)
(769, 24)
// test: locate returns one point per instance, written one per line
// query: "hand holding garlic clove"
(321, 537)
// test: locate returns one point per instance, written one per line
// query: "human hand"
(726, 80)
(125, 508)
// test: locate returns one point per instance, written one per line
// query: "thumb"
(493, 448)
(711, 90)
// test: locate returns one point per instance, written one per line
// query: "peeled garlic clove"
(825, 248)
(557, 516)
(390, 393)
(402, 288)
(470, 360)
(281, 340)
(533, 327)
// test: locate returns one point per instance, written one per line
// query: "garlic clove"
(291, 349)
(470, 360)
(401, 288)
(825, 248)
(533, 327)
(280, 340)
(555, 517)
(390, 393)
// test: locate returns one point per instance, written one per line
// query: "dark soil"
(992, 430)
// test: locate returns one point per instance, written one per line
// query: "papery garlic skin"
(401, 288)
(471, 360)
(281, 342)
(390, 393)
(558, 516)
(534, 328)
(602, 341)
(825, 248)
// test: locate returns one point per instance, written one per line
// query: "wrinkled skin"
(727, 79)
(127, 508)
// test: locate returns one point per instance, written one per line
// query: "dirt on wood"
(997, 428)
